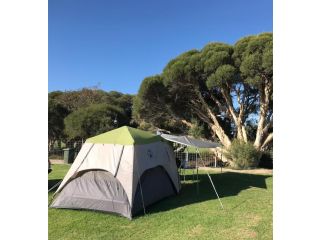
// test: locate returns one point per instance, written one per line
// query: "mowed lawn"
(247, 214)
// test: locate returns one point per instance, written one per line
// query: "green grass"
(190, 149)
(247, 200)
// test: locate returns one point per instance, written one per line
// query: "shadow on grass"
(227, 184)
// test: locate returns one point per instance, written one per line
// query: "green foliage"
(74, 100)
(244, 155)
(86, 112)
(224, 74)
(146, 126)
(197, 130)
(95, 119)
(124, 101)
(151, 88)
(56, 113)
(152, 105)
(253, 55)
(215, 55)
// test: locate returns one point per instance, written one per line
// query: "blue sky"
(116, 44)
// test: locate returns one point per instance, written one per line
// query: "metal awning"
(187, 141)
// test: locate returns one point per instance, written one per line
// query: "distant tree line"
(77, 115)
(222, 92)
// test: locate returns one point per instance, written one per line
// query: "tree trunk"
(264, 105)
(51, 144)
(244, 133)
(237, 118)
(209, 117)
(224, 139)
(241, 132)
(259, 134)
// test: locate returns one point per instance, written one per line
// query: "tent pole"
(211, 181)
(179, 171)
(197, 172)
(186, 163)
(144, 209)
(55, 185)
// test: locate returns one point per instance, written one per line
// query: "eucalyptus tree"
(254, 57)
(223, 86)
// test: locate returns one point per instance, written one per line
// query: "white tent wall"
(84, 151)
(125, 173)
(125, 162)
(104, 156)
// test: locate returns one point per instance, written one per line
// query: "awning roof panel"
(187, 141)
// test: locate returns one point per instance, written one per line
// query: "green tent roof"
(125, 136)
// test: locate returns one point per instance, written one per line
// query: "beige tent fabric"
(125, 173)
(103, 156)
(84, 151)
(96, 156)
(126, 162)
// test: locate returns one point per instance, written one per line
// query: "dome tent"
(121, 171)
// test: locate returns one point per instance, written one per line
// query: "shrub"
(266, 160)
(244, 155)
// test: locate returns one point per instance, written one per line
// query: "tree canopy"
(56, 113)
(86, 112)
(222, 86)
(94, 119)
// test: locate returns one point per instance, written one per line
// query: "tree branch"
(216, 125)
(230, 105)
(267, 141)
(220, 106)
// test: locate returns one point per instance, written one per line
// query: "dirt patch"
(238, 233)
(247, 234)
(195, 231)
(56, 161)
(263, 171)
(252, 219)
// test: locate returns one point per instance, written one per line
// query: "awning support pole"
(197, 174)
(210, 179)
